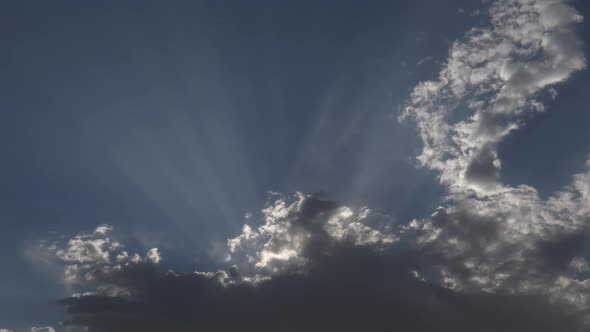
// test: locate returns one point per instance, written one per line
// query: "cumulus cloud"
(489, 236)
(346, 285)
(514, 241)
(88, 257)
(296, 231)
(492, 257)
(495, 75)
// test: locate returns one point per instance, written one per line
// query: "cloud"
(496, 75)
(89, 248)
(489, 236)
(42, 329)
(295, 231)
(511, 241)
(351, 291)
(425, 60)
(347, 286)
(88, 257)
(491, 257)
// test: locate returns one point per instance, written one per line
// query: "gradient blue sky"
(171, 120)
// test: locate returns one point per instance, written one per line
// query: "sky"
(294, 165)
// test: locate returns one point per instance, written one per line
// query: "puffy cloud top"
(294, 232)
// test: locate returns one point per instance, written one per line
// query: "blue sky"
(173, 120)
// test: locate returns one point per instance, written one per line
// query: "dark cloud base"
(349, 289)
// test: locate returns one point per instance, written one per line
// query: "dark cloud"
(354, 289)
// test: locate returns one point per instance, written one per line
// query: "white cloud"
(153, 256)
(282, 243)
(85, 256)
(42, 329)
(495, 74)
(103, 229)
(492, 236)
